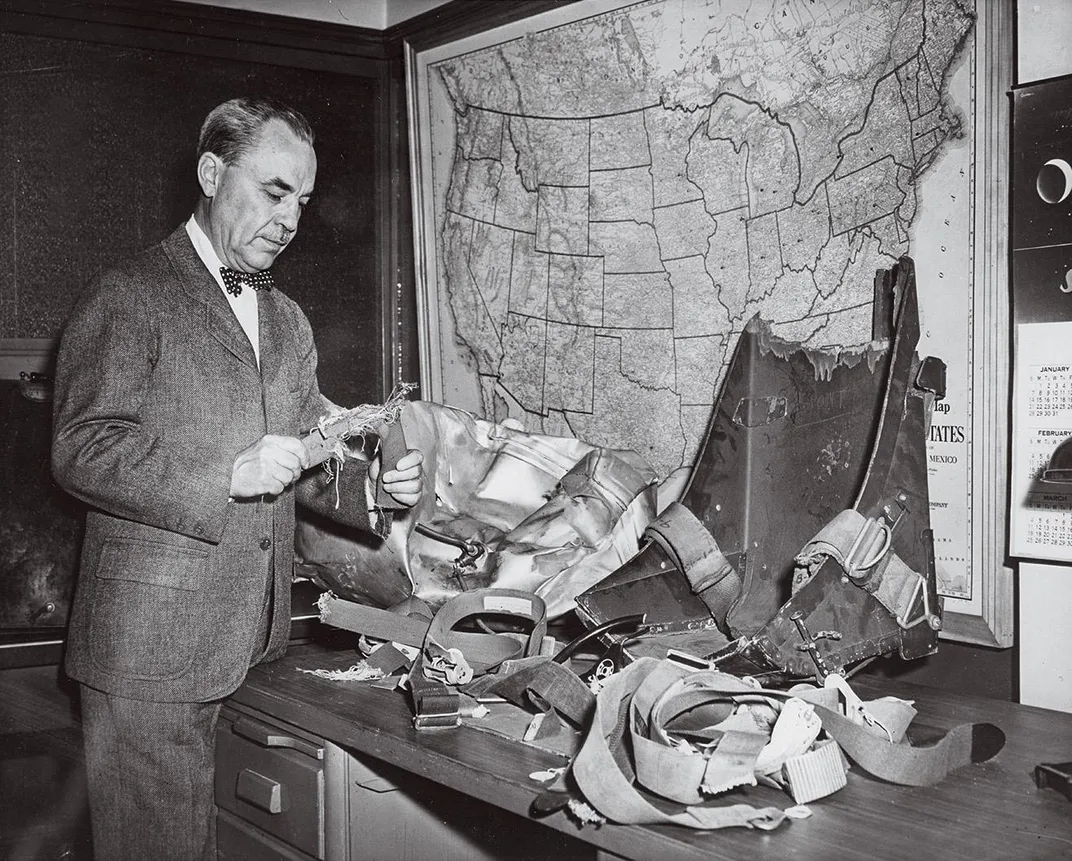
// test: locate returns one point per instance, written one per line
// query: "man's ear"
(209, 170)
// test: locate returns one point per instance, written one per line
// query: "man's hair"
(231, 129)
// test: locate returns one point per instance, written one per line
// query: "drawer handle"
(267, 736)
(260, 791)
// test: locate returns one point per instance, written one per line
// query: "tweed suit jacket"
(157, 390)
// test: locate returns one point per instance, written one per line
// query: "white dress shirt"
(243, 305)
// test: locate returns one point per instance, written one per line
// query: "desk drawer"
(238, 841)
(273, 781)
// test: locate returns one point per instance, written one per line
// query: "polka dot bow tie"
(234, 281)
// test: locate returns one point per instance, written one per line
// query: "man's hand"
(267, 466)
(405, 481)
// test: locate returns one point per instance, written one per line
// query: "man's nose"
(289, 217)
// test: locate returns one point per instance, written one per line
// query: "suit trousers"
(150, 769)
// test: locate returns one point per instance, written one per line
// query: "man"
(180, 395)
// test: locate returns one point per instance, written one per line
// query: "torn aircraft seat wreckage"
(801, 544)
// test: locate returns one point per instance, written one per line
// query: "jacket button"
(266, 543)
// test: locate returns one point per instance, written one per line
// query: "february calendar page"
(1041, 510)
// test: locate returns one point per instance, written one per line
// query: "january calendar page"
(1041, 509)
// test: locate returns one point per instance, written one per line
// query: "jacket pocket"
(147, 608)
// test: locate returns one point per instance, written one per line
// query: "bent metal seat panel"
(796, 437)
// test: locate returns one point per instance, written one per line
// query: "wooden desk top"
(983, 812)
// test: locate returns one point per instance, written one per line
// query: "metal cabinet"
(286, 795)
(270, 789)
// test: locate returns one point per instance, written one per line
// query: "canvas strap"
(482, 651)
(694, 551)
(604, 770)
(627, 744)
(862, 546)
(448, 658)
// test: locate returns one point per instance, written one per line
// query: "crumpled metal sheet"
(768, 486)
(555, 515)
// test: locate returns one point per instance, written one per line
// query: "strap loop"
(863, 548)
(486, 651)
(694, 551)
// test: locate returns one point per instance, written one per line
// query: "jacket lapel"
(274, 337)
(198, 283)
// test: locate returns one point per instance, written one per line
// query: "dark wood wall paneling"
(99, 109)
(100, 105)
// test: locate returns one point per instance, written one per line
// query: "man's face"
(253, 206)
